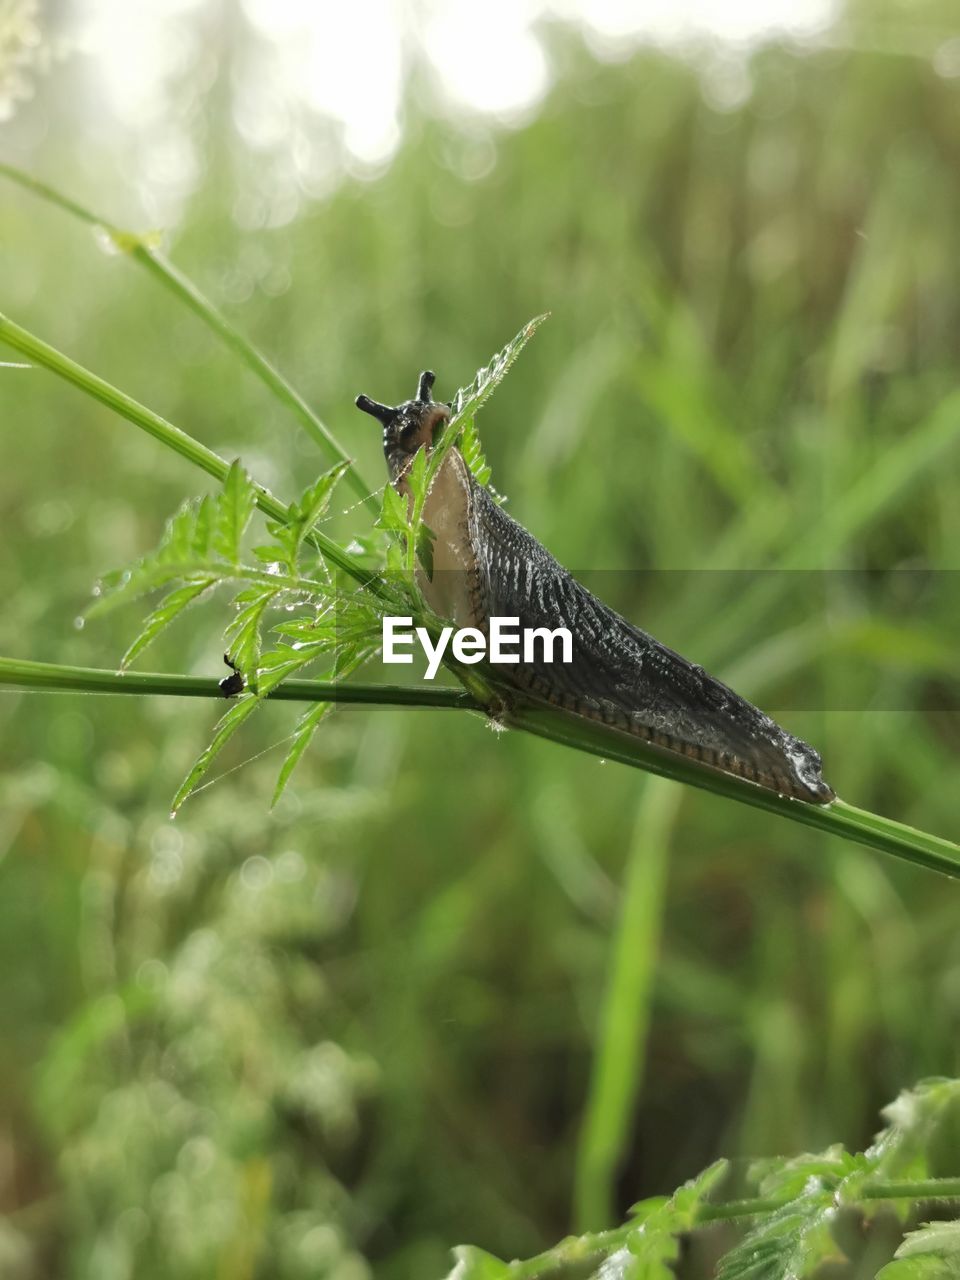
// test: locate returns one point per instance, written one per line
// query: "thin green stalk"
(572, 731)
(183, 288)
(54, 678)
(173, 437)
(625, 1012)
(839, 818)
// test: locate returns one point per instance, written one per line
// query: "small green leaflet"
(393, 512)
(473, 453)
(931, 1253)
(472, 1263)
(242, 636)
(468, 402)
(302, 735)
(653, 1244)
(303, 515)
(169, 608)
(201, 542)
(347, 659)
(226, 727)
(233, 511)
(470, 399)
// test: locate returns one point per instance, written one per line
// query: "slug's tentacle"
(407, 426)
(487, 565)
(382, 412)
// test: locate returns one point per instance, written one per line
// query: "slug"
(487, 565)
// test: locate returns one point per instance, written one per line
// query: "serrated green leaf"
(303, 734)
(942, 1238)
(654, 1243)
(789, 1244)
(393, 512)
(202, 530)
(686, 1200)
(786, 1178)
(425, 540)
(923, 1267)
(476, 1264)
(177, 540)
(226, 726)
(917, 1121)
(242, 636)
(350, 656)
(470, 399)
(233, 511)
(466, 405)
(472, 452)
(275, 666)
(169, 608)
(311, 505)
(416, 477)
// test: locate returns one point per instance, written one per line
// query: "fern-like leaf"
(790, 1244)
(470, 400)
(930, 1253)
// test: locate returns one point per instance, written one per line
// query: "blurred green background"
(396, 1012)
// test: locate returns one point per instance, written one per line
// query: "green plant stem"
(42, 353)
(557, 726)
(839, 818)
(595, 1247)
(64, 679)
(931, 1189)
(183, 288)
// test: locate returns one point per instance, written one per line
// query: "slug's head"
(409, 425)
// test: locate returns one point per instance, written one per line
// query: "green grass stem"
(49, 357)
(140, 250)
(839, 819)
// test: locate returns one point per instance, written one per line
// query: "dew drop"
(79, 623)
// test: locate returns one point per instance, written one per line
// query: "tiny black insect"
(234, 683)
(487, 565)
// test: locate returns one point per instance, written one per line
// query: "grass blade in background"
(620, 1042)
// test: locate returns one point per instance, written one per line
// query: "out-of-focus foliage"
(362, 1026)
(806, 1214)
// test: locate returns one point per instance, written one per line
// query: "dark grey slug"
(486, 565)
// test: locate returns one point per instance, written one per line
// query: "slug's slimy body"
(487, 565)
